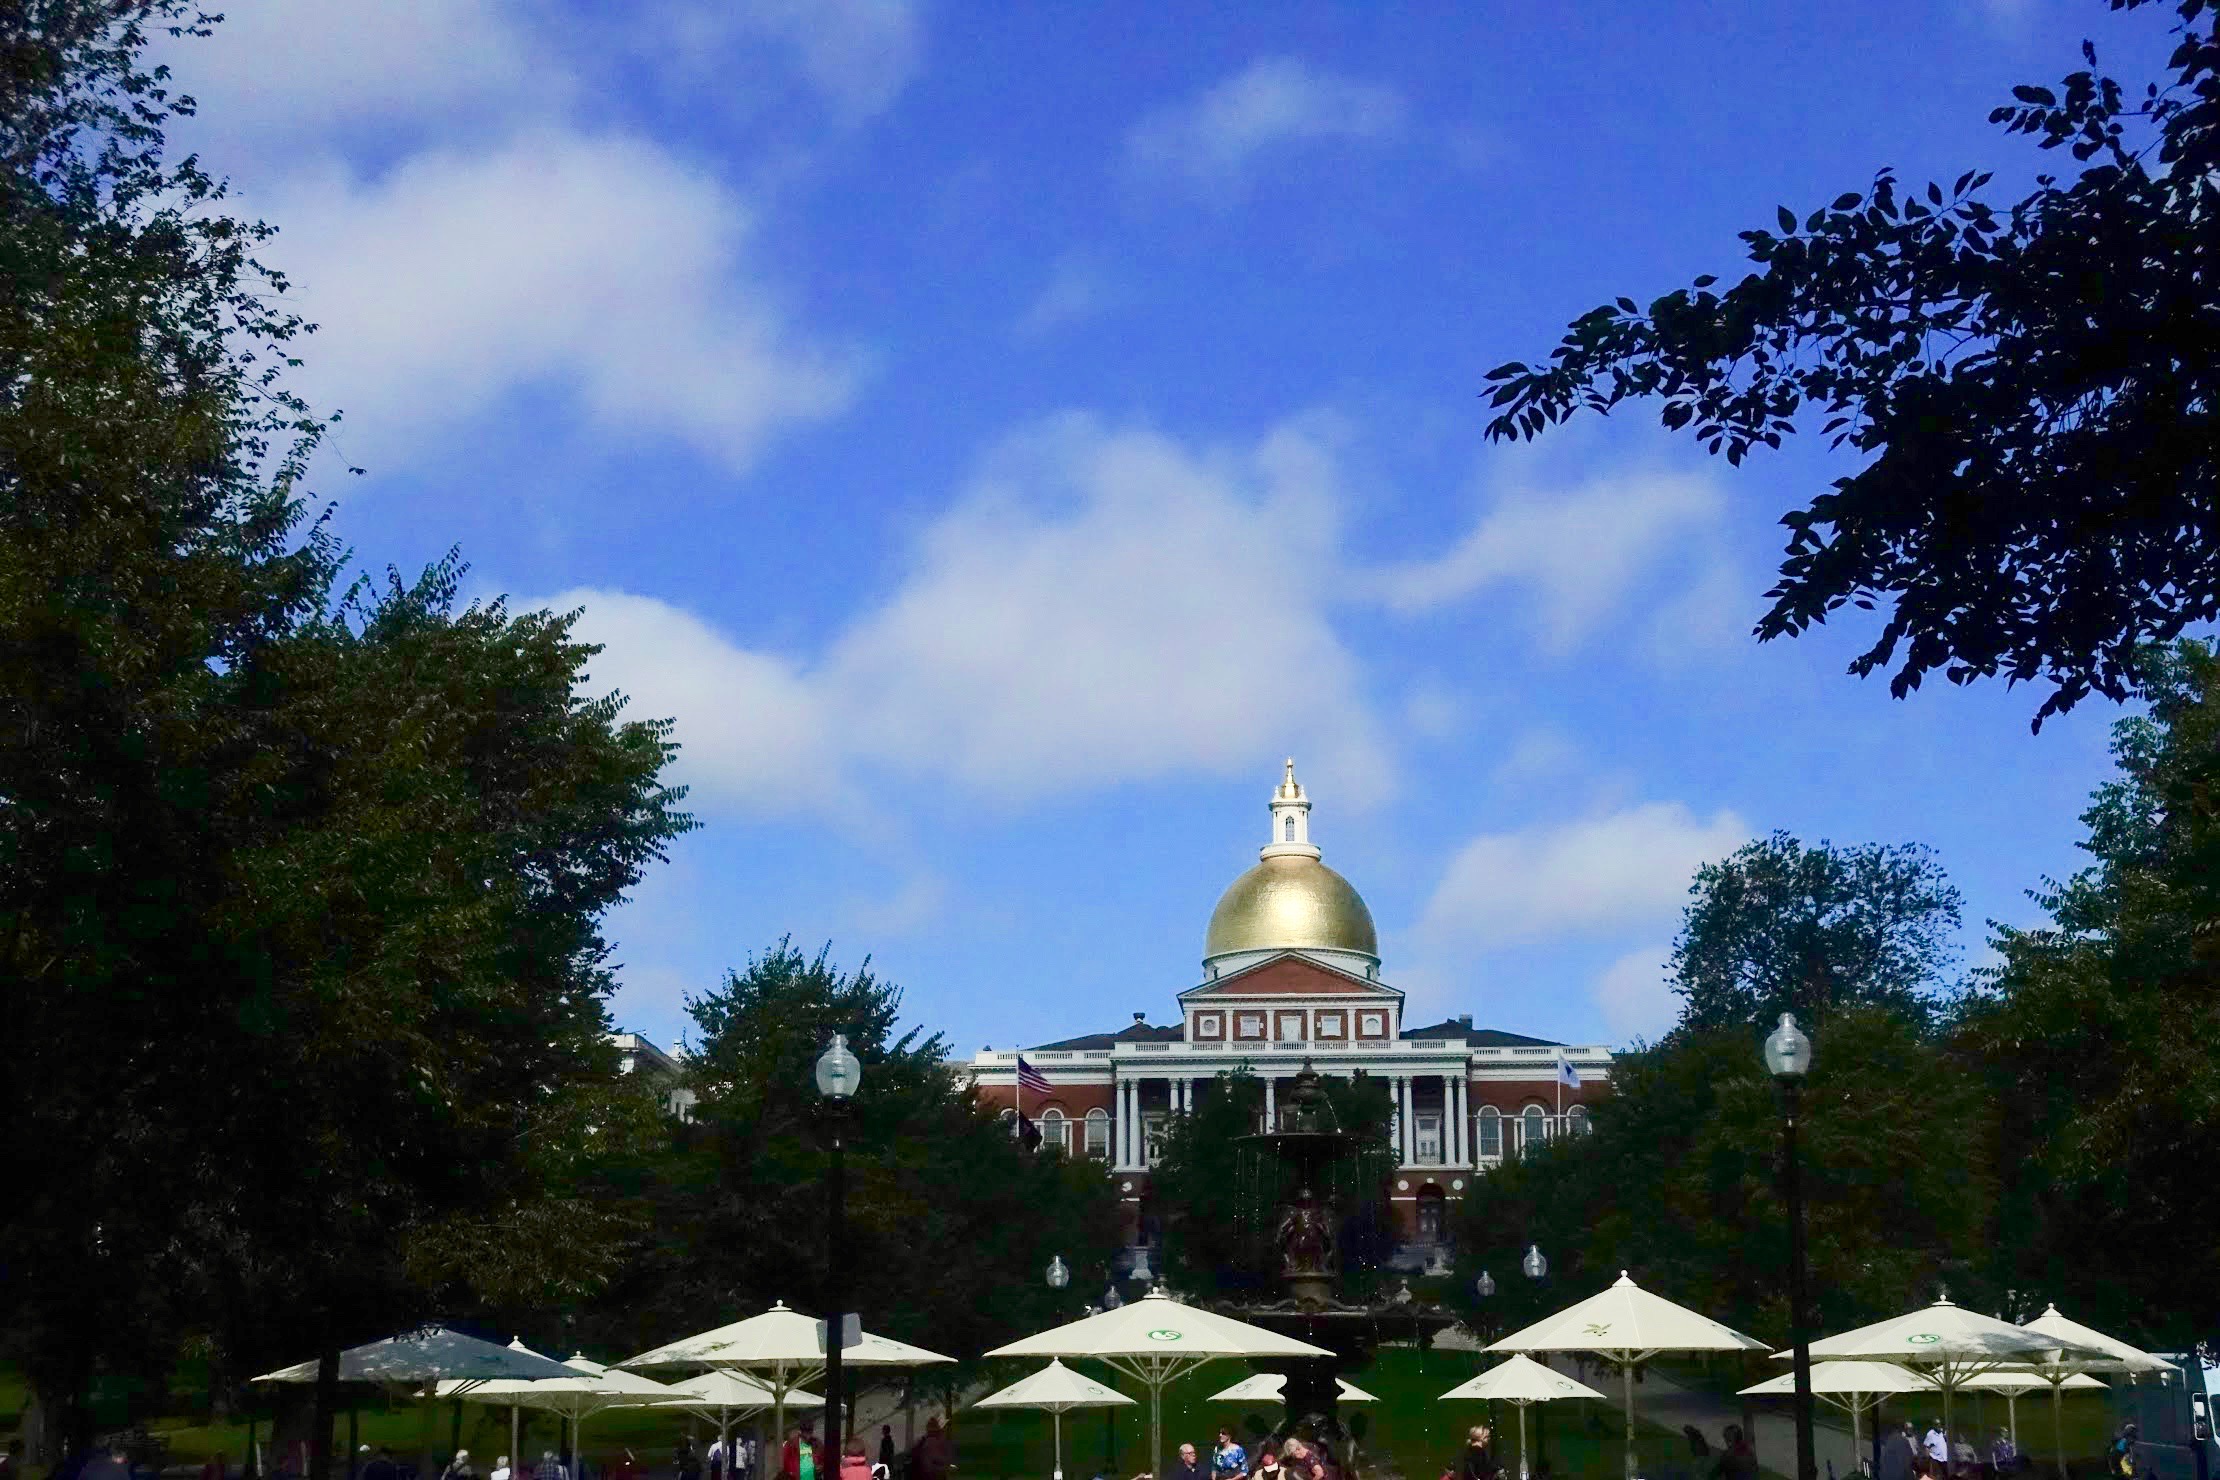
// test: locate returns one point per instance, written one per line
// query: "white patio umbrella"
(1057, 1389)
(1948, 1344)
(719, 1395)
(1850, 1384)
(1155, 1339)
(783, 1349)
(1271, 1387)
(1520, 1381)
(432, 1355)
(591, 1388)
(1626, 1324)
(2016, 1384)
(2116, 1356)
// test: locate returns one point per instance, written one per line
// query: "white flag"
(1567, 1075)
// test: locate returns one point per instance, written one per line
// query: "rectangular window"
(1429, 1139)
(1491, 1137)
(1098, 1134)
(1329, 1025)
(1152, 1137)
(1291, 1027)
(1248, 1025)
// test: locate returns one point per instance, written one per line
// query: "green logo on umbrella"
(1163, 1333)
(1924, 1338)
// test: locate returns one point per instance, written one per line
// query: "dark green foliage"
(2030, 388)
(1779, 927)
(952, 1224)
(1678, 1182)
(2102, 1029)
(1216, 1195)
(300, 889)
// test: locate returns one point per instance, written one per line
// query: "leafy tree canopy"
(1780, 927)
(2030, 389)
(2101, 1027)
(952, 1223)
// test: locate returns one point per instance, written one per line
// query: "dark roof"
(1131, 1033)
(1480, 1037)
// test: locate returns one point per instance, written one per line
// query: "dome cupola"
(1291, 901)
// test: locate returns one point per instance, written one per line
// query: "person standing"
(685, 1460)
(1478, 1462)
(1228, 1461)
(854, 1463)
(934, 1456)
(1899, 1453)
(1189, 1465)
(886, 1447)
(1936, 1445)
(460, 1467)
(1737, 1461)
(550, 1467)
(798, 1461)
(1267, 1462)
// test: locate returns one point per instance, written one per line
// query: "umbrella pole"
(516, 1439)
(2012, 1418)
(1056, 1422)
(1627, 1370)
(1522, 1440)
(1854, 1429)
(1156, 1427)
(2058, 1424)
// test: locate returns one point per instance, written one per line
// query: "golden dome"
(1291, 902)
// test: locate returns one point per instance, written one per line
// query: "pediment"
(1290, 974)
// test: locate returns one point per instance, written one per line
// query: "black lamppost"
(1788, 1057)
(838, 1074)
(1535, 1266)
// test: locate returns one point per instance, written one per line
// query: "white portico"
(1291, 974)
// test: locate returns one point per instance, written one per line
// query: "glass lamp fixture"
(838, 1072)
(1787, 1050)
(1059, 1274)
(1536, 1263)
(1484, 1286)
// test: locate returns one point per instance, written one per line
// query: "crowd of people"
(1906, 1453)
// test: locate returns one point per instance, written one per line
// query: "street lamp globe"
(1059, 1274)
(838, 1072)
(1535, 1264)
(1484, 1286)
(1141, 1265)
(1787, 1050)
(1111, 1299)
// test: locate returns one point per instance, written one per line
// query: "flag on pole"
(1031, 1078)
(1567, 1075)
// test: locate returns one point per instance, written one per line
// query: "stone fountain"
(1307, 1143)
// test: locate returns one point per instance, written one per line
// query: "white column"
(1271, 1107)
(1125, 1124)
(1395, 1111)
(1457, 1156)
(1410, 1131)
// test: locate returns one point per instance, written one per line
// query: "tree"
(300, 887)
(2029, 388)
(1678, 1182)
(1778, 927)
(1216, 1191)
(952, 1223)
(2100, 1028)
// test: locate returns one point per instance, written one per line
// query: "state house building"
(1291, 974)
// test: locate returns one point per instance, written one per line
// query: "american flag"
(1031, 1078)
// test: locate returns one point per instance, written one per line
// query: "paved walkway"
(1663, 1402)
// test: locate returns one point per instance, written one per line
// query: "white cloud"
(858, 54)
(596, 265)
(1101, 606)
(1615, 870)
(1576, 553)
(754, 733)
(275, 72)
(1210, 141)
(1634, 997)
(1076, 290)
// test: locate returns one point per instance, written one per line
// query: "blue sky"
(999, 434)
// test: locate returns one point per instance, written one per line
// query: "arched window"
(1098, 1132)
(1576, 1121)
(1491, 1133)
(1052, 1131)
(1290, 828)
(1534, 1127)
